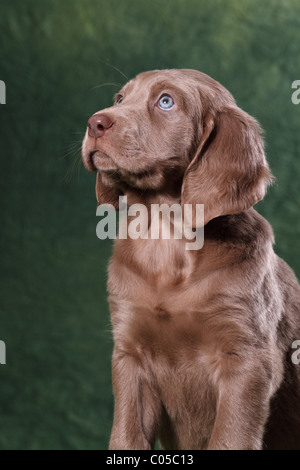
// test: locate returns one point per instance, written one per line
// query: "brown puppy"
(203, 338)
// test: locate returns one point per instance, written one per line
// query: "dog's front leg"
(137, 406)
(242, 407)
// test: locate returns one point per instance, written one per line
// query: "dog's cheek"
(181, 139)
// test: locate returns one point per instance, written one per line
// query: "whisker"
(105, 84)
(115, 68)
(79, 168)
(71, 169)
(74, 142)
(118, 70)
(71, 151)
(74, 145)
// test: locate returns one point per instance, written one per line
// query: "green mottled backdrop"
(55, 55)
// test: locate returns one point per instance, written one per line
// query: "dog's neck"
(148, 198)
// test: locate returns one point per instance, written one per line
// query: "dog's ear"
(229, 172)
(106, 193)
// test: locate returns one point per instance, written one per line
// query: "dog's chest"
(153, 296)
(157, 265)
(160, 318)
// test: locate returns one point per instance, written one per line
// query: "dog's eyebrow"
(164, 86)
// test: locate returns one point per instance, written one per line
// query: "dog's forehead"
(182, 84)
(148, 80)
(187, 80)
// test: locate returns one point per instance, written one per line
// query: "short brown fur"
(202, 356)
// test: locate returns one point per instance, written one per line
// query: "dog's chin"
(144, 178)
(101, 161)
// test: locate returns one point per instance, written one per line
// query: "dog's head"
(178, 131)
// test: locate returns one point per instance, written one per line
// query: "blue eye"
(165, 103)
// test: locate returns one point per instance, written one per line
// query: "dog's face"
(151, 129)
(180, 127)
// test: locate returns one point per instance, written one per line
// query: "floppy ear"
(229, 172)
(105, 193)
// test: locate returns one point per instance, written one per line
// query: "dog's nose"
(98, 124)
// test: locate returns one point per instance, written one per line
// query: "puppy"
(203, 338)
